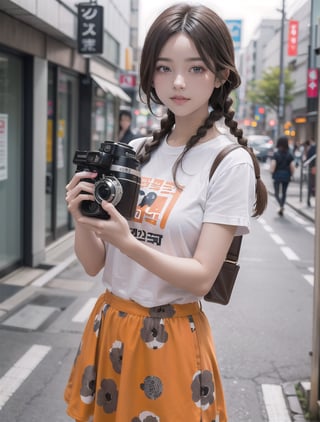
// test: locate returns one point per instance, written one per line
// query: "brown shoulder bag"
(221, 289)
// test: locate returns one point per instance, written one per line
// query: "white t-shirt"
(170, 220)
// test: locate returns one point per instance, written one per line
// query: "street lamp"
(281, 77)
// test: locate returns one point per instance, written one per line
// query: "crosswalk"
(20, 371)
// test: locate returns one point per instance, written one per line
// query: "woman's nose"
(179, 82)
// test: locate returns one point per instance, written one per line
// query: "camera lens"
(108, 189)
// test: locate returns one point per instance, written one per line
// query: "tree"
(266, 90)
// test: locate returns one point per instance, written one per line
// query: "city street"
(263, 337)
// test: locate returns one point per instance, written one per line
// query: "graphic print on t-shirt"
(157, 199)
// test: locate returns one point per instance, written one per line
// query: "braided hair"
(213, 41)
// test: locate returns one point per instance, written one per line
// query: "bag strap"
(225, 151)
(234, 250)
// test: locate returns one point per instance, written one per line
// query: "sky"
(251, 12)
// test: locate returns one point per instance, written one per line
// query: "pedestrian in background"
(282, 168)
(125, 132)
(147, 351)
(311, 155)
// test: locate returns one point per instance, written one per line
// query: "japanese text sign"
(90, 28)
(312, 83)
(293, 38)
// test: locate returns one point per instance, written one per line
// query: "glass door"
(11, 165)
(61, 144)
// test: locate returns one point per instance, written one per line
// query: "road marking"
(268, 228)
(20, 371)
(275, 403)
(309, 278)
(84, 312)
(49, 275)
(261, 220)
(278, 240)
(289, 253)
(311, 230)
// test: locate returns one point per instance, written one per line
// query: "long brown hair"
(213, 41)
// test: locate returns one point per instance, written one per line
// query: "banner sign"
(90, 28)
(234, 26)
(312, 83)
(293, 38)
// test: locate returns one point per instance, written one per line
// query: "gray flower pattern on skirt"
(153, 333)
(107, 396)
(152, 387)
(203, 389)
(88, 388)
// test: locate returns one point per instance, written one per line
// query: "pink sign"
(312, 83)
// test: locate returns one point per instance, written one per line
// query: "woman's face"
(125, 122)
(181, 80)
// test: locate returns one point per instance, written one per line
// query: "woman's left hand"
(115, 230)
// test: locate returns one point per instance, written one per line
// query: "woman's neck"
(180, 135)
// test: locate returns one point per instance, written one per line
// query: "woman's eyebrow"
(189, 59)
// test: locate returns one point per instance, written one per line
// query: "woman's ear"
(221, 78)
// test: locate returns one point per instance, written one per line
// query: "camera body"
(117, 181)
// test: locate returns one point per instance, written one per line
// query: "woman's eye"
(163, 69)
(197, 69)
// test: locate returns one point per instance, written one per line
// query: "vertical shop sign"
(235, 26)
(127, 80)
(90, 28)
(312, 83)
(293, 38)
(3, 147)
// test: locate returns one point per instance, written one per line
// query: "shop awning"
(108, 86)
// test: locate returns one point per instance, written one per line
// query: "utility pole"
(314, 404)
(281, 77)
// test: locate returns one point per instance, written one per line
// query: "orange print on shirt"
(156, 206)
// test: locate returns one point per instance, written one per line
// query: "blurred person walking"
(125, 132)
(282, 168)
(311, 155)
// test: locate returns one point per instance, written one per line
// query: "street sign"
(90, 28)
(235, 26)
(293, 38)
(312, 83)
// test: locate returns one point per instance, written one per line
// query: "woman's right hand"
(79, 189)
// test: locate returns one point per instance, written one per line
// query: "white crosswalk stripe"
(20, 371)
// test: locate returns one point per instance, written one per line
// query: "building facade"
(263, 52)
(53, 101)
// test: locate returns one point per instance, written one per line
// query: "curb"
(291, 396)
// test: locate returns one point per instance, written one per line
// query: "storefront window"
(10, 160)
(103, 123)
(61, 145)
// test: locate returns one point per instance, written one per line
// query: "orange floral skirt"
(137, 364)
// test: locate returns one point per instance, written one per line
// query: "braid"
(152, 143)
(221, 103)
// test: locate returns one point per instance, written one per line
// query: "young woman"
(282, 168)
(147, 352)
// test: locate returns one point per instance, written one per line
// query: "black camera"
(117, 181)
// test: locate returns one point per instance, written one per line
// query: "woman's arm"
(292, 168)
(89, 249)
(194, 274)
(273, 166)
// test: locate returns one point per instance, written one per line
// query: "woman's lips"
(177, 99)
